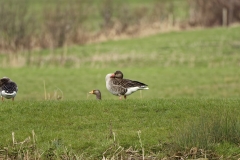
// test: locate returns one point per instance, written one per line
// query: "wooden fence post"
(224, 17)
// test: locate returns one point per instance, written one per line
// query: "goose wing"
(126, 83)
(116, 88)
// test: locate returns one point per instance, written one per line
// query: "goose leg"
(125, 97)
(2, 98)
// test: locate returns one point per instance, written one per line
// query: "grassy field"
(89, 128)
(74, 84)
(193, 78)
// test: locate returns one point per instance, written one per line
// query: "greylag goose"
(122, 87)
(97, 93)
(8, 88)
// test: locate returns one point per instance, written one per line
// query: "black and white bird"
(8, 88)
(97, 93)
(117, 85)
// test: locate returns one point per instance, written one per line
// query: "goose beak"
(91, 92)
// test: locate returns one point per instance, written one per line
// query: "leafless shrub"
(132, 20)
(159, 12)
(16, 26)
(210, 13)
(21, 30)
(62, 25)
(126, 18)
(57, 26)
(106, 12)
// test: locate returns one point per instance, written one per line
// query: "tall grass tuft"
(28, 149)
(209, 130)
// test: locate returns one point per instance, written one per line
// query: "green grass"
(86, 127)
(192, 75)
(163, 82)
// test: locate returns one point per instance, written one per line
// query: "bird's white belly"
(131, 90)
(8, 95)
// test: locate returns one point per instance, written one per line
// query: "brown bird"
(97, 93)
(117, 85)
(8, 88)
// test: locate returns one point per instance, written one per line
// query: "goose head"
(118, 74)
(97, 93)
